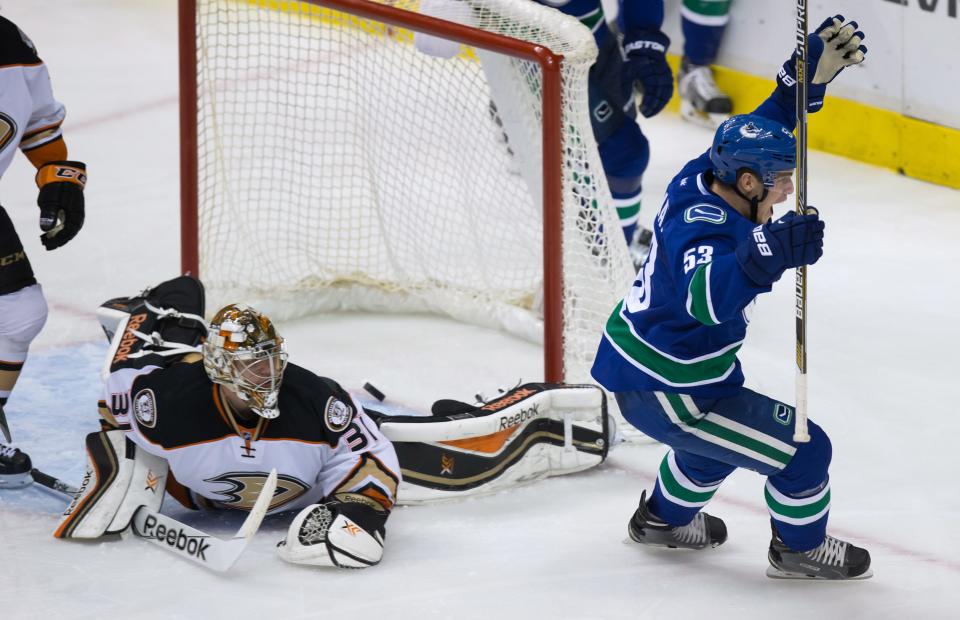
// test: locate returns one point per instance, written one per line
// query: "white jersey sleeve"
(363, 461)
(30, 116)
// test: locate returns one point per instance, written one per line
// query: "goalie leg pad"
(533, 431)
(322, 535)
(119, 479)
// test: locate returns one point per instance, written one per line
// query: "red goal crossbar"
(550, 64)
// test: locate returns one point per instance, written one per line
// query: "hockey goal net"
(334, 157)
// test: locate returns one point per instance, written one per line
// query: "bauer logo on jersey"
(145, 408)
(705, 213)
(337, 415)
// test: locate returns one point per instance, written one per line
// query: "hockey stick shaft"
(800, 433)
(54, 484)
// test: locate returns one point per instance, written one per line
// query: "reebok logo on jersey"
(175, 538)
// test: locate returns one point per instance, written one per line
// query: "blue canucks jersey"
(685, 317)
(634, 14)
(681, 324)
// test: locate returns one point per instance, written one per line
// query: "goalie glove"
(60, 200)
(346, 532)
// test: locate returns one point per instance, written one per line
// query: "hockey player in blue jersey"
(669, 350)
(641, 63)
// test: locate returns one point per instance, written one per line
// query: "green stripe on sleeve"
(698, 296)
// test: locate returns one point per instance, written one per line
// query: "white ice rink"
(882, 348)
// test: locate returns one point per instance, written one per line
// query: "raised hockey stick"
(800, 433)
(190, 543)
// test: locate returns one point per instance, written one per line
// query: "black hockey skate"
(701, 100)
(15, 468)
(704, 531)
(834, 559)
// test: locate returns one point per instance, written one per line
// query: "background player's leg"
(624, 150)
(23, 311)
(703, 23)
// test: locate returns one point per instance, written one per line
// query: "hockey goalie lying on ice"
(208, 412)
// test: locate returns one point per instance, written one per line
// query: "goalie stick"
(190, 543)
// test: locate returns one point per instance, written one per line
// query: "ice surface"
(882, 343)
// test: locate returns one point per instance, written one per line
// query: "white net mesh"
(342, 168)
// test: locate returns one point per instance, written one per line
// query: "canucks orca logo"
(244, 487)
(783, 414)
(750, 130)
(705, 213)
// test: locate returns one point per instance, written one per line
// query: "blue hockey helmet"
(752, 142)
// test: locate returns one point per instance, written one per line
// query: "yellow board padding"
(913, 147)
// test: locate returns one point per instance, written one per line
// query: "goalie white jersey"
(321, 444)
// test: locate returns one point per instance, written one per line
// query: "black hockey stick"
(54, 484)
(800, 433)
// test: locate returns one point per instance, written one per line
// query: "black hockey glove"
(831, 48)
(791, 241)
(646, 51)
(60, 200)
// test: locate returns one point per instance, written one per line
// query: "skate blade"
(652, 545)
(710, 121)
(776, 573)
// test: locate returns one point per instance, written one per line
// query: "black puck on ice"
(372, 391)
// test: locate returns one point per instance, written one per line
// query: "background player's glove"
(646, 51)
(832, 47)
(60, 200)
(346, 532)
(791, 241)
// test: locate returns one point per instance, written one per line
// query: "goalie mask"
(244, 352)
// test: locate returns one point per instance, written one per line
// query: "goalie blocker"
(533, 431)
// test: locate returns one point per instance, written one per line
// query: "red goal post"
(555, 151)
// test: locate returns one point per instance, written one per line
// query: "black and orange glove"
(60, 200)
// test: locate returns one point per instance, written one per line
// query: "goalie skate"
(14, 468)
(834, 559)
(704, 531)
(701, 100)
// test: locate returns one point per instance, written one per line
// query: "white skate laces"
(831, 552)
(694, 532)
